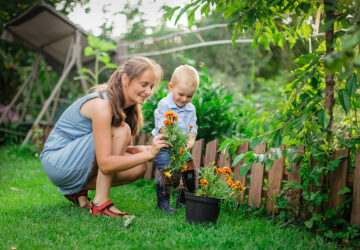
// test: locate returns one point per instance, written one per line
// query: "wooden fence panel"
(355, 212)
(243, 148)
(294, 175)
(211, 152)
(257, 179)
(337, 178)
(276, 175)
(197, 153)
(142, 139)
(150, 164)
(224, 159)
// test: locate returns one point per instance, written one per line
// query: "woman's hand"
(157, 144)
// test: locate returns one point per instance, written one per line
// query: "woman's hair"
(133, 68)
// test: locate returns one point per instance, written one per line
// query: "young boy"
(183, 85)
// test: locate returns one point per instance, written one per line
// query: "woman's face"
(140, 88)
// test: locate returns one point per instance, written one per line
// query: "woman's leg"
(121, 137)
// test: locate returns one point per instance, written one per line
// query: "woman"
(87, 148)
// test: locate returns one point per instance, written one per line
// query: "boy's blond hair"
(186, 73)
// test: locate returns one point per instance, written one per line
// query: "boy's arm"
(190, 143)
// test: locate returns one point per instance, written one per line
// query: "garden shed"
(51, 35)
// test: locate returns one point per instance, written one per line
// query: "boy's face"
(182, 93)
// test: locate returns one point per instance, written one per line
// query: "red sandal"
(75, 198)
(105, 209)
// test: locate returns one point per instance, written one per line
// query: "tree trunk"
(329, 79)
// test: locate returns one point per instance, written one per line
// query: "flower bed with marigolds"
(218, 183)
(179, 154)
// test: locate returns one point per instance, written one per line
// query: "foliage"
(218, 183)
(97, 48)
(325, 75)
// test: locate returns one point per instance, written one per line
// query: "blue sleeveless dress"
(69, 151)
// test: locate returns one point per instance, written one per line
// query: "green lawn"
(33, 215)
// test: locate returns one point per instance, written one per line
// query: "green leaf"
(205, 9)
(89, 51)
(277, 139)
(183, 10)
(191, 16)
(245, 168)
(309, 223)
(170, 11)
(344, 190)
(345, 100)
(93, 41)
(328, 23)
(323, 118)
(351, 85)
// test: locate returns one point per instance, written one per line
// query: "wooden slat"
(294, 175)
(355, 211)
(211, 152)
(257, 179)
(275, 182)
(142, 139)
(224, 159)
(150, 164)
(337, 178)
(243, 148)
(197, 154)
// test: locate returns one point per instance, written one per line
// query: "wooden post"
(150, 164)
(211, 152)
(224, 159)
(275, 182)
(337, 179)
(257, 179)
(243, 148)
(355, 211)
(142, 139)
(197, 153)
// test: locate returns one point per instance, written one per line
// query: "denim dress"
(69, 151)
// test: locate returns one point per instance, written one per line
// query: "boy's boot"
(189, 183)
(163, 199)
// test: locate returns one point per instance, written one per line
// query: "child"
(183, 85)
(102, 124)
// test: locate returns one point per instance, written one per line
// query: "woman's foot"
(108, 209)
(80, 199)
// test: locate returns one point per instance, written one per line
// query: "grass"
(33, 215)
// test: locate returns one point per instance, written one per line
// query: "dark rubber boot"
(189, 183)
(163, 200)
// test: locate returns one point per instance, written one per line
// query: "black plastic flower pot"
(201, 209)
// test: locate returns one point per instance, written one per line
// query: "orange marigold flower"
(227, 170)
(230, 182)
(169, 114)
(191, 126)
(167, 122)
(182, 150)
(171, 123)
(220, 171)
(204, 182)
(239, 186)
(175, 117)
(228, 177)
(184, 169)
(168, 175)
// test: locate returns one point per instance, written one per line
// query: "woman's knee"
(123, 131)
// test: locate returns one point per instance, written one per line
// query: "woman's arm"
(101, 115)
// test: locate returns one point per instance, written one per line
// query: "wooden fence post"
(337, 178)
(276, 175)
(142, 139)
(355, 212)
(150, 164)
(257, 179)
(211, 152)
(197, 153)
(224, 159)
(243, 148)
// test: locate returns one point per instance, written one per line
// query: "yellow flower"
(220, 171)
(168, 175)
(239, 186)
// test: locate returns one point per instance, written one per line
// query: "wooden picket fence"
(338, 179)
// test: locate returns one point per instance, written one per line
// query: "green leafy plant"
(218, 183)
(97, 48)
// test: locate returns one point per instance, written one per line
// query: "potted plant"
(170, 176)
(216, 184)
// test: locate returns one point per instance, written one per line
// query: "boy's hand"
(190, 143)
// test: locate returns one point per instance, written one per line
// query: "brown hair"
(186, 73)
(133, 68)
